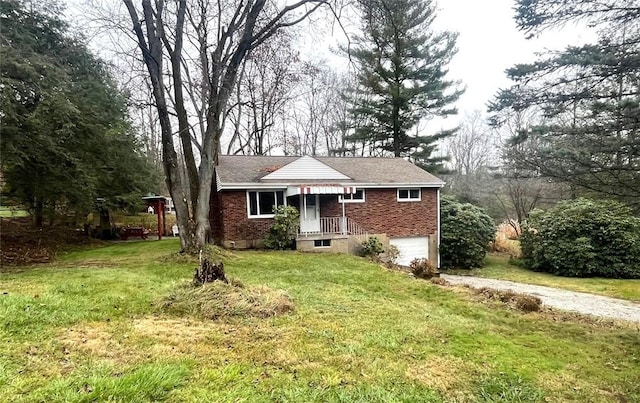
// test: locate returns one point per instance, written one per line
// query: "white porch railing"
(339, 225)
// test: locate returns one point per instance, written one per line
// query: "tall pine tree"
(401, 79)
(588, 97)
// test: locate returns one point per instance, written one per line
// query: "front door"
(309, 214)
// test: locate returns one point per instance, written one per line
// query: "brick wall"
(235, 224)
(382, 213)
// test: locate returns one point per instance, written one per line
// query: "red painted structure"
(158, 203)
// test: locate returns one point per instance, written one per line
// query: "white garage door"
(410, 248)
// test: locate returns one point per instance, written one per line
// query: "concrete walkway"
(580, 302)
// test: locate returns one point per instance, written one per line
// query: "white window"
(261, 204)
(408, 194)
(357, 197)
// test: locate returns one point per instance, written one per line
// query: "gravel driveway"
(581, 302)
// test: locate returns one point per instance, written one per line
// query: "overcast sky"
(488, 43)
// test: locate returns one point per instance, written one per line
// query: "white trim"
(409, 198)
(438, 229)
(341, 200)
(279, 185)
(250, 216)
(218, 184)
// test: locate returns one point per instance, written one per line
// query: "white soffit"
(305, 168)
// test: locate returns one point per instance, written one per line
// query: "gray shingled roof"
(236, 169)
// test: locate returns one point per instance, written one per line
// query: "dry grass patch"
(175, 337)
(167, 330)
(221, 300)
(99, 340)
(447, 374)
(149, 336)
(93, 338)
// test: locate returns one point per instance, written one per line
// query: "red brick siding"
(381, 213)
(235, 223)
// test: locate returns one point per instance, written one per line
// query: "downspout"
(438, 229)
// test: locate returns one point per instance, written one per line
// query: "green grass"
(89, 328)
(9, 212)
(498, 266)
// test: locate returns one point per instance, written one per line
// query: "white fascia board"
(394, 185)
(218, 183)
(273, 185)
(252, 185)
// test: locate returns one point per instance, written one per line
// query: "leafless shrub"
(528, 303)
(522, 302)
(422, 268)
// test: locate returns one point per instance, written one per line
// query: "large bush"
(466, 233)
(583, 238)
(283, 231)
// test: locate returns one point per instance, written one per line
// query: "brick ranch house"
(342, 201)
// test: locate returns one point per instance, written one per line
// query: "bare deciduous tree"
(264, 90)
(473, 147)
(219, 36)
(519, 190)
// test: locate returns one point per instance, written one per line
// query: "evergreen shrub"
(372, 247)
(583, 238)
(466, 234)
(283, 231)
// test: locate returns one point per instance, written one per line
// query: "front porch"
(333, 226)
(320, 233)
(309, 199)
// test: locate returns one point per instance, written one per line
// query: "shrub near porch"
(89, 328)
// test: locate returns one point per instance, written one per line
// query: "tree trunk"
(38, 214)
(209, 272)
(227, 55)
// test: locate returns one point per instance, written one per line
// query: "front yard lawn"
(89, 328)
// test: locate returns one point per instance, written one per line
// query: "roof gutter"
(284, 185)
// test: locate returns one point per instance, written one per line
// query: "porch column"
(303, 213)
(304, 205)
(344, 219)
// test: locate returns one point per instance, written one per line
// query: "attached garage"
(411, 248)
